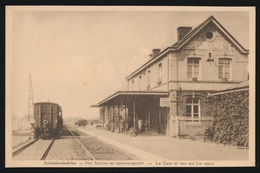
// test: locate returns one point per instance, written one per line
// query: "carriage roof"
(51, 103)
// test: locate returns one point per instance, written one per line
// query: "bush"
(231, 119)
(208, 135)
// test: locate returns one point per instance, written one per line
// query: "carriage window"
(45, 109)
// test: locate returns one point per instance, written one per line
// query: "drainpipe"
(169, 124)
(168, 72)
(177, 98)
(134, 113)
(177, 84)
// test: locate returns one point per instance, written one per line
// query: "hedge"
(231, 119)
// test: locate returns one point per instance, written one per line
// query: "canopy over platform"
(124, 97)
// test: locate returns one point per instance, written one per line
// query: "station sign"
(164, 102)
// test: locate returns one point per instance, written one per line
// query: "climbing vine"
(231, 119)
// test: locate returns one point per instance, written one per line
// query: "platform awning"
(127, 96)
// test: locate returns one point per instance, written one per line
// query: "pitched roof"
(238, 87)
(193, 32)
(241, 85)
(179, 44)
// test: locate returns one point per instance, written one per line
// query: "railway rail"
(70, 145)
(35, 150)
(47, 150)
(19, 150)
(96, 149)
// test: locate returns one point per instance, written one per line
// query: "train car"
(48, 120)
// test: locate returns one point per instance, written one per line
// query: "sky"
(77, 58)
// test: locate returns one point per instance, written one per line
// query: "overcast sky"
(79, 57)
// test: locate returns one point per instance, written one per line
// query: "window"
(140, 82)
(45, 109)
(193, 67)
(209, 36)
(160, 73)
(193, 108)
(148, 79)
(224, 68)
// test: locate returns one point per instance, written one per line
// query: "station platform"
(21, 137)
(159, 147)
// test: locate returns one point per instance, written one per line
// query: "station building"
(169, 93)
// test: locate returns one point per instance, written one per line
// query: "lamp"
(210, 58)
(193, 94)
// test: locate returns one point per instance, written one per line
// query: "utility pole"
(30, 101)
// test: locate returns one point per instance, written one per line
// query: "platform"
(158, 147)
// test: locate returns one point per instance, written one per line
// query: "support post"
(101, 116)
(113, 122)
(149, 121)
(177, 127)
(118, 117)
(134, 114)
(125, 118)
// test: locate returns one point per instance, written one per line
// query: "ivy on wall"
(231, 119)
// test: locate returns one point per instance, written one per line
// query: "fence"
(182, 126)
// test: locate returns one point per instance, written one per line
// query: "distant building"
(168, 94)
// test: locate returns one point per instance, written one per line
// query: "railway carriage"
(48, 120)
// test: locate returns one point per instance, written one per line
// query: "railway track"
(47, 150)
(19, 150)
(35, 150)
(71, 145)
(96, 149)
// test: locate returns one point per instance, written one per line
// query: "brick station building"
(168, 94)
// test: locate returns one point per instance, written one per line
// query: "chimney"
(156, 52)
(182, 31)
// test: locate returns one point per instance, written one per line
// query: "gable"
(194, 37)
(211, 24)
(210, 38)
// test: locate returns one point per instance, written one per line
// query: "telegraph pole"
(30, 101)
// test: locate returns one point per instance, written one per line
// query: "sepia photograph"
(121, 86)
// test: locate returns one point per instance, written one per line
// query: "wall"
(198, 46)
(176, 78)
(154, 75)
(218, 47)
(205, 105)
